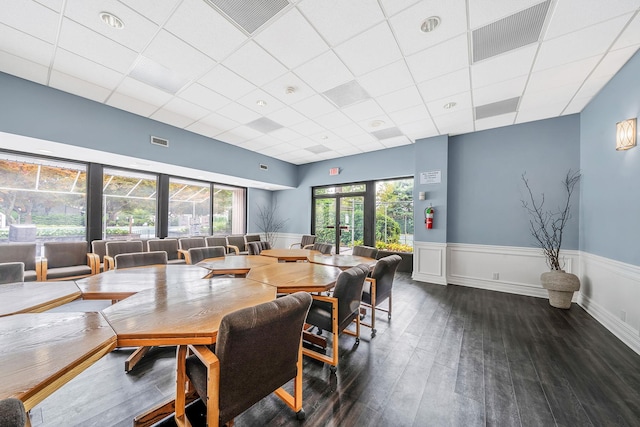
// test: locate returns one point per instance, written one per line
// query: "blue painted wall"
(30, 109)
(431, 155)
(610, 199)
(257, 199)
(485, 188)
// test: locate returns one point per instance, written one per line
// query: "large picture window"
(228, 210)
(129, 204)
(189, 208)
(41, 200)
(394, 215)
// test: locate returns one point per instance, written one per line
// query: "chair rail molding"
(430, 262)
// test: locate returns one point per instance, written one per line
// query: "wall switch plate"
(496, 276)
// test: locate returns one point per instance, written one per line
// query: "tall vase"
(561, 286)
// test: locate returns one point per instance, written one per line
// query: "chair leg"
(373, 309)
(389, 312)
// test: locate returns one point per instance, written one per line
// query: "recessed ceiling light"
(112, 20)
(430, 24)
(449, 105)
(261, 102)
(377, 123)
(324, 137)
(290, 90)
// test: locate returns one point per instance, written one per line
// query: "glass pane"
(351, 188)
(228, 210)
(41, 200)
(129, 205)
(325, 221)
(189, 208)
(394, 215)
(351, 223)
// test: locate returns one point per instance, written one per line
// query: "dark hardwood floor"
(450, 356)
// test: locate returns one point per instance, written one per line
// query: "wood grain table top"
(235, 264)
(34, 297)
(342, 261)
(39, 352)
(188, 314)
(289, 254)
(298, 276)
(120, 284)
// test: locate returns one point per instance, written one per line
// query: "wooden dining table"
(298, 276)
(341, 261)
(34, 297)
(40, 352)
(288, 254)
(238, 266)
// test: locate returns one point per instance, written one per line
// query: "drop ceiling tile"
(557, 95)
(630, 36)
(91, 45)
(370, 50)
(576, 105)
(76, 86)
(372, 146)
(31, 18)
(447, 85)
(251, 99)
(204, 97)
(55, 5)
(254, 64)
(238, 113)
(201, 26)
(239, 135)
(285, 134)
(483, 12)
(406, 25)
(387, 79)
(585, 43)
(462, 100)
(186, 108)
(314, 106)
(592, 86)
(499, 91)
(400, 100)
(74, 65)
(349, 150)
(219, 122)
(541, 113)
(157, 11)
(396, 141)
(504, 67)
(567, 74)
(332, 120)
(25, 46)
(348, 131)
(174, 119)
(456, 123)
(278, 149)
(226, 82)
(287, 117)
(613, 61)
(363, 110)
(279, 88)
(439, 60)
(130, 104)
(377, 123)
(176, 55)
(22, 68)
(572, 15)
(307, 128)
(136, 33)
(363, 140)
(303, 143)
(391, 7)
(496, 121)
(409, 115)
(143, 92)
(315, 74)
(419, 129)
(204, 129)
(255, 145)
(339, 20)
(291, 51)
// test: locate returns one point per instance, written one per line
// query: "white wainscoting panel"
(610, 292)
(430, 262)
(509, 269)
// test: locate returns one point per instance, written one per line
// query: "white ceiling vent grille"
(346, 94)
(387, 133)
(264, 125)
(512, 32)
(159, 141)
(497, 108)
(249, 14)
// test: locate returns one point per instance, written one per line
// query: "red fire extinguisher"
(428, 217)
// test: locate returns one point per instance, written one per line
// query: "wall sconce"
(626, 134)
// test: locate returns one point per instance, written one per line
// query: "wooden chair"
(366, 251)
(306, 243)
(337, 312)
(140, 259)
(196, 255)
(258, 350)
(170, 246)
(236, 245)
(24, 253)
(98, 252)
(217, 241)
(254, 248)
(117, 247)
(323, 248)
(12, 413)
(65, 261)
(251, 238)
(11, 272)
(378, 288)
(187, 243)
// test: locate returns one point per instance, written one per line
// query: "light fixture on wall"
(626, 134)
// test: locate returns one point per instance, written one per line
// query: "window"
(228, 210)
(189, 208)
(41, 200)
(129, 204)
(394, 214)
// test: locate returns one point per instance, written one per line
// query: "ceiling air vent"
(347, 94)
(387, 133)
(159, 141)
(497, 108)
(249, 14)
(264, 167)
(512, 32)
